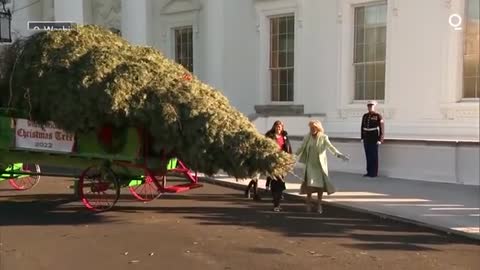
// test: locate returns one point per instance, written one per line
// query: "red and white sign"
(30, 135)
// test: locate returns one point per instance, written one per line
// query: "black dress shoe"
(366, 175)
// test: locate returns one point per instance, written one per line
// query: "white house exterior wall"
(231, 52)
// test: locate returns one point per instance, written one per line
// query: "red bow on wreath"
(187, 77)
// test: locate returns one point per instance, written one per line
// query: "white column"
(48, 10)
(135, 21)
(214, 42)
(76, 11)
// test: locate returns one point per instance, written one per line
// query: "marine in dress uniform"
(372, 131)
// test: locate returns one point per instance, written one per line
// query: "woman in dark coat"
(280, 136)
(275, 183)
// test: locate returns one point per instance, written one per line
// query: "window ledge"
(464, 109)
(358, 110)
(469, 100)
(280, 110)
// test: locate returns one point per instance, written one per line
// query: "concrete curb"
(292, 197)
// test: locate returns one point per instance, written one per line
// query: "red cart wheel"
(25, 182)
(147, 189)
(98, 188)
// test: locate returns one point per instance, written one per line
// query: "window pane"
(284, 76)
(380, 72)
(290, 77)
(189, 36)
(275, 92)
(472, 44)
(283, 42)
(382, 14)
(283, 26)
(290, 92)
(370, 35)
(359, 35)
(274, 26)
(290, 59)
(183, 49)
(275, 77)
(369, 90)
(359, 53)
(380, 52)
(274, 42)
(282, 59)
(469, 88)
(370, 75)
(275, 85)
(360, 91)
(470, 65)
(379, 90)
(274, 59)
(290, 43)
(473, 9)
(371, 15)
(370, 50)
(177, 51)
(184, 36)
(177, 37)
(291, 25)
(359, 16)
(381, 34)
(283, 92)
(359, 73)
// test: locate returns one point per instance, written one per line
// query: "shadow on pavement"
(51, 209)
(365, 232)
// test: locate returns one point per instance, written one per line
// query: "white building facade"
(296, 60)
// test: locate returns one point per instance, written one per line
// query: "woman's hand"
(344, 157)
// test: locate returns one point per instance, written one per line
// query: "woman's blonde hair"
(317, 125)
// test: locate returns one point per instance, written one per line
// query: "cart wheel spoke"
(99, 188)
(149, 189)
(25, 182)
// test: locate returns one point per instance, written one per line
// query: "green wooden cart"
(110, 159)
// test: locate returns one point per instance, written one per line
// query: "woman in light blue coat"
(313, 154)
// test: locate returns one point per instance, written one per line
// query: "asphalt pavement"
(212, 227)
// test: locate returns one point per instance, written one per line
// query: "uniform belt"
(370, 129)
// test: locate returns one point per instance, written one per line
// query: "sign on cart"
(30, 135)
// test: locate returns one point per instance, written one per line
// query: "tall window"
(282, 39)
(184, 47)
(471, 57)
(370, 30)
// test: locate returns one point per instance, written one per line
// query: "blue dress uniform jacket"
(371, 134)
(372, 131)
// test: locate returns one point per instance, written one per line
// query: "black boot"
(249, 186)
(247, 193)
